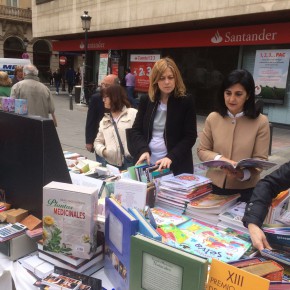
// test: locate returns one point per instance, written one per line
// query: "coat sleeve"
(265, 190)
(94, 116)
(137, 137)
(189, 134)
(99, 143)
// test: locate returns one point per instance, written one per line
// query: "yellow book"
(224, 276)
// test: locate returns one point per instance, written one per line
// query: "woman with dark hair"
(18, 74)
(111, 142)
(235, 131)
(165, 127)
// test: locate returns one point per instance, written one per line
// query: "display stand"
(31, 157)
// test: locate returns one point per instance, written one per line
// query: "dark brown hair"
(118, 97)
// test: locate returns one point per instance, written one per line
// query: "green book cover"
(155, 265)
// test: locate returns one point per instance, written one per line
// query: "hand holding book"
(244, 163)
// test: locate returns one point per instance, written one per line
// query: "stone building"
(207, 39)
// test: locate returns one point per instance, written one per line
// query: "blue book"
(120, 225)
(145, 228)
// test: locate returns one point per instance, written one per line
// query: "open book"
(244, 163)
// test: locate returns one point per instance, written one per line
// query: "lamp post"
(86, 24)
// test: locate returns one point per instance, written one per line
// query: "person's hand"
(258, 237)
(237, 172)
(144, 157)
(164, 163)
(90, 147)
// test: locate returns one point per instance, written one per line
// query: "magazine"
(244, 163)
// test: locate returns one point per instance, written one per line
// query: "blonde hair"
(158, 70)
(5, 81)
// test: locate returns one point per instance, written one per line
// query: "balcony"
(15, 14)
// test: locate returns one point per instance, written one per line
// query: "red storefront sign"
(141, 66)
(231, 36)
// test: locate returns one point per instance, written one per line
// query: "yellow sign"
(224, 276)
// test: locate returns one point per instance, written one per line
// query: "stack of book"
(232, 217)
(209, 206)
(278, 206)
(177, 191)
(80, 265)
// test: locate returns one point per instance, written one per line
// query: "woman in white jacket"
(117, 109)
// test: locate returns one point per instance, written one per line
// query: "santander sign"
(230, 37)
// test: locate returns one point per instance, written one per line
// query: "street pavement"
(71, 131)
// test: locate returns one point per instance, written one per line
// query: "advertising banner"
(141, 66)
(103, 67)
(270, 74)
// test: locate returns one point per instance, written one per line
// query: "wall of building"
(62, 17)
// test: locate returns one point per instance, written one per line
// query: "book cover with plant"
(69, 224)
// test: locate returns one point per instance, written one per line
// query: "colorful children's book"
(155, 265)
(205, 241)
(144, 228)
(184, 181)
(159, 216)
(120, 225)
(212, 203)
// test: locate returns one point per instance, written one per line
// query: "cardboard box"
(69, 226)
(3, 214)
(8, 104)
(17, 215)
(31, 222)
(21, 106)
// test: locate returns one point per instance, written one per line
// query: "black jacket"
(94, 116)
(180, 131)
(266, 189)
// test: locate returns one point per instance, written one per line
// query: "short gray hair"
(30, 70)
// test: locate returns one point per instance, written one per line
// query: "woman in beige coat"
(117, 109)
(235, 131)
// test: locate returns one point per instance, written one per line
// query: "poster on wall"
(270, 75)
(141, 66)
(103, 67)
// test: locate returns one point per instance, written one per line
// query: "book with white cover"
(131, 193)
(234, 214)
(69, 223)
(36, 265)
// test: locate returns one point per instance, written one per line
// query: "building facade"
(16, 40)
(206, 38)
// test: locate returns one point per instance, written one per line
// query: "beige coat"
(107, 138)
(235, 139)
(39, 98)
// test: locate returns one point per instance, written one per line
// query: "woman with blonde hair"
(164, 130)
(5, 84)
